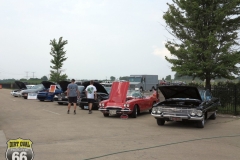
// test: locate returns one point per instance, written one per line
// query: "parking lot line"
(51, 112)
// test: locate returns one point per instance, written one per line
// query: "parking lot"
(57, 135)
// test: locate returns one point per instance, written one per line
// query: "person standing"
(91, 94)
(73, 94)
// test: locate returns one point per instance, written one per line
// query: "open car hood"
(47, 84)
(63, 85)
(98, 86)
(20, 85)
(180, 92)
(118, 92)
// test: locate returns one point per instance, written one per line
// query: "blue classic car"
(183, 103)
(46, 95)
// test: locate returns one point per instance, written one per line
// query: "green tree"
(58, 53)
(44, 78)
(206, 33)
(126, 78)
(168, 78)
(112, 78)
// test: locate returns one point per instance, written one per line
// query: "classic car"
(102, 94)
(62, 97)
(183, 103)
(123, 101)
(46, 95)
(21, 86)
(34, 90)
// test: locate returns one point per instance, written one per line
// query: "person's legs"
(69, 104)
(90, 105)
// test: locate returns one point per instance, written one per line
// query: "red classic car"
(123, 101)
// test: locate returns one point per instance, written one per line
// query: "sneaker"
(74, 112)
(90, 112)
(68, 112)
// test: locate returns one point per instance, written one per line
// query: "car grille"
(176, 111)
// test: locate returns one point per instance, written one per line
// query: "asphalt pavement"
(57, 135)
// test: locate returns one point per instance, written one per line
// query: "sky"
(105, 38)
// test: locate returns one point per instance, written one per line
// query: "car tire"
(25, 97)
(41, 100)
(160, 122)
(135, 112)
(200, 124)
(60, 103)
(105, 114)
(213, 116)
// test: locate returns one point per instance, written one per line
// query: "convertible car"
(102, 94)
(183, 103)
(123, 101)
(46, 95)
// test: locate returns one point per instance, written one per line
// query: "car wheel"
(135, 112)
(25, 97)
(160, 122)
(60, 103)
(213, 116)
(41, 100)
(200, 124)
(105, 114)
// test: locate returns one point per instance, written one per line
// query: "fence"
(229, 98)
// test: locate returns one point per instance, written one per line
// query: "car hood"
(98, 86)
(20, 85)
(118, 92)
(180, 92)
(47, 84)
(63, 85)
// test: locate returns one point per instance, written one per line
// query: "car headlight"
(157, 110)
(102, 104)
(124, 105)
(199, 113)
(127, 105)
(193, 112)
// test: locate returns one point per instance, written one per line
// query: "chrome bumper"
(106, 110)
(188, 117)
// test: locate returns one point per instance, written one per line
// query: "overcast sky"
(105, 37)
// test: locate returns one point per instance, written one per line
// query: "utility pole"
(33, 74)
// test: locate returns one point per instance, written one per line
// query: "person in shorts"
(91, 95)
(73, 94)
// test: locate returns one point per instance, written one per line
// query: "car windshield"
(37, 86)
(80, 88)
(133, 93)
(135, 79)
(108, 89)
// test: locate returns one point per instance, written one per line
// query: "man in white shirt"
(91, 95)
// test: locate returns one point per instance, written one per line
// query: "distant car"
(33, 90)
(46, 95)
(185, 103)
(62, 98)
(21, 86)
(102, 94)
(124, 101)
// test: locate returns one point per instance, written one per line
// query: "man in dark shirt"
(73, 94)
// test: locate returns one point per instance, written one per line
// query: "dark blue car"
(46, 95)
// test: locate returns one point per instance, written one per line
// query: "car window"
(80, 88)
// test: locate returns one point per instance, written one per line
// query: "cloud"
(161, 52)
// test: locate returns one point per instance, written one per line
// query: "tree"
(58, 53)
(44, 78)
(112, 78)
(168, 78)
(206, 33)
(126, 78)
